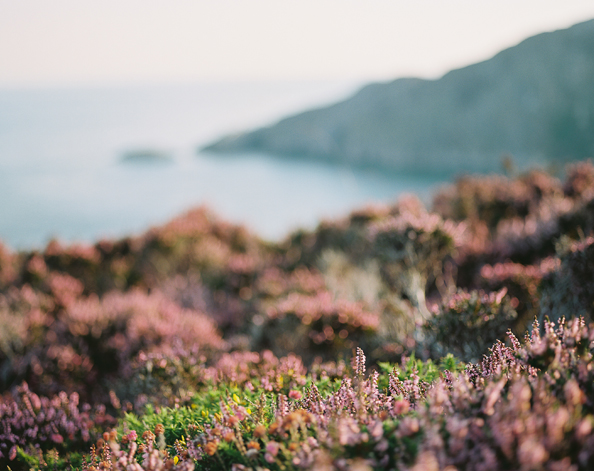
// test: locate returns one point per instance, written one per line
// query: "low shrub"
(35, 430)
(468, 323)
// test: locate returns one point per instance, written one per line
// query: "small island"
(146, 155)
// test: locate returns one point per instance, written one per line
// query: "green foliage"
(427, 371)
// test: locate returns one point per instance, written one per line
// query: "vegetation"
(458, 337)
(533, 100)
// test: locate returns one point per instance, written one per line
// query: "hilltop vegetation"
(534, 101)
(399, 337)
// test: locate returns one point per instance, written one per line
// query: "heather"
(399, 337)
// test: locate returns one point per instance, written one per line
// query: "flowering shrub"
(316, 325)
(88, 340)
(526, 406)
(215, 350)
(274, 283)
(411, 249)
(579, 182)
(285, 424)
(34, 425)
(517, 220)
(173, 379)
(468, 323)
(493, 199)
(386, 258)
(568, 291)
(522, 283)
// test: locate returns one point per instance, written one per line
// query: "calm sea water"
(61, 173)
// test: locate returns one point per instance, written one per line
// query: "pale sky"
(66, 42)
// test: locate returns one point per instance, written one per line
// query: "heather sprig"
(32, 426)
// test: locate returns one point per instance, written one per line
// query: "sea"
(64, 173)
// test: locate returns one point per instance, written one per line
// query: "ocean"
(63, 175)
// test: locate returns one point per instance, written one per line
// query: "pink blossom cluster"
(316, 324)
(73, 342)
(310, 309)
(79, 252)
(527, 406)
(31, 421)
(262, 370)
(274, 282)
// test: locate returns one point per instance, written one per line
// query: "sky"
(68, 42)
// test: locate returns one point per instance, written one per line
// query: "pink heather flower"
(376, 430)
(293, 394)
(57, 438)
(401, 406)
(382, 446)
(132, 436)
(532, 453)
(409, 426)
(359, 362)
(272, 448)
(240, 413)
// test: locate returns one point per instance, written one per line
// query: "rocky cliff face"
(534, 101)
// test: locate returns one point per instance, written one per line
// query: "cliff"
(534, 101)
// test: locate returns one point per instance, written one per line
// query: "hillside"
(534, 101)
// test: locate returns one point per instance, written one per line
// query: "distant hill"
(534, 101)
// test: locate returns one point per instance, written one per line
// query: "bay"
(62, 174)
